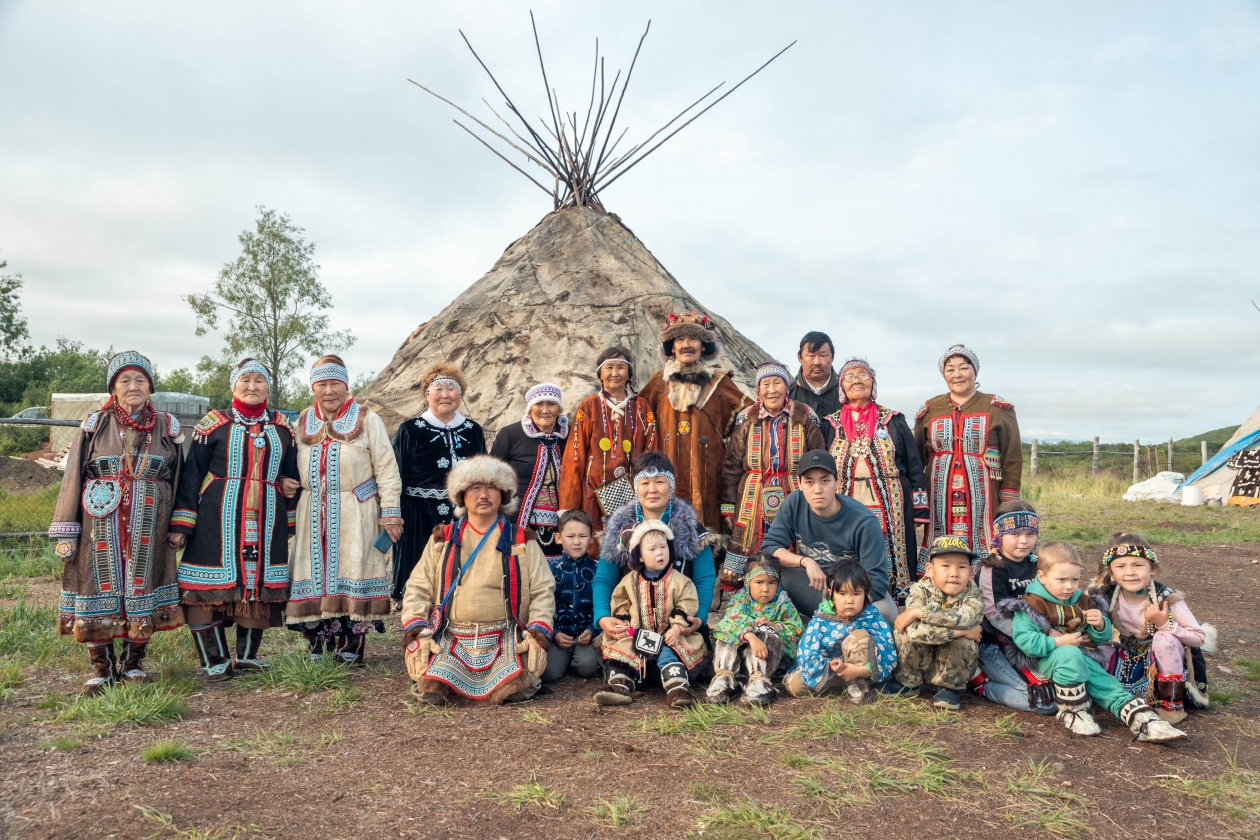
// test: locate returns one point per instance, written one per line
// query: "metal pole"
(1094, 466)
(1034, 457)
(1137, 449)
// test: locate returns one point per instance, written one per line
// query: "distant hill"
(1215, 439)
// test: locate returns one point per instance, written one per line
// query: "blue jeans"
(1005, 685)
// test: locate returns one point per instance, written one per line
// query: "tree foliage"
(274, 300)
(14, 336)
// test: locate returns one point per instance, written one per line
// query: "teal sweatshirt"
(1028, 636)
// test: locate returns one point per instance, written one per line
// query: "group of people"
(601, 543)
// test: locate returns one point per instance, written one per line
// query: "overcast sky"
(1070, 189)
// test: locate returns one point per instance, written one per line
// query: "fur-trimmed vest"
(1048, 616)
(690, 537)
(655, 605)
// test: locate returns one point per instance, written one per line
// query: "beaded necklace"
(146, 424)
(257, 437)
(605, 444)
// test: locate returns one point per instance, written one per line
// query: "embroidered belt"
(475, 659)
(426, 492)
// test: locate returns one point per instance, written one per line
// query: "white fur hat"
(646, 527)
(482, 469)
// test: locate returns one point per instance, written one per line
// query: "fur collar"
(689, 534)
(312, 429)
(698, 373)
(690, 386)
(1009, 606)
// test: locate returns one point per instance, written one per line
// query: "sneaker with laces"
(947, 698)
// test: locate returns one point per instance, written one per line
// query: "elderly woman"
(761, 465)
(693, 553)
(878, 464)
(111, 523)
(970, 445)
(427, 448)
(234, 507)
(533, 448)
(611, 429)
(477, 610)
(338, 571)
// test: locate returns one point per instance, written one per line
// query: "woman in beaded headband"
(534, 448)
(428, 446)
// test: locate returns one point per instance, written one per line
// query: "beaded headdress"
(1013, 523)
(543, 392)
(959, 350)
(1129, 550)
(653, 472)
(252, 366)
(854, 363)
(128, 359)
(445, 380)
(768, 369)
(757, 568)
(330, 370)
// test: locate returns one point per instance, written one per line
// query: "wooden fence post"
(1137, 450)
(1034, 457)
(1170, 454)
(1094, 466)
(1203, 452)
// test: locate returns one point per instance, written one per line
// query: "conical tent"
(579, 282)
(1219, 477)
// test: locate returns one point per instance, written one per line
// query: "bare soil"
(18, 475)
(383, 769)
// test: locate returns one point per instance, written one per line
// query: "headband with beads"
(756, 570)
(330, 370)
(653, 472)
(444, 380)
(1129, 550)
(252, 366)
(1013, 523)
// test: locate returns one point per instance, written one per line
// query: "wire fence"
(1134, 462)
(28, 494)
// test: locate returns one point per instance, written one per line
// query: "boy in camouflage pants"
(938, 634)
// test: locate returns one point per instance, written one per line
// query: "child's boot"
(1171, 691)
(860, 691)
(1074, 709)
(723, 687)
(248, 641)
(616, 690)
(1145, 724)
(677, 686)
(759, 691)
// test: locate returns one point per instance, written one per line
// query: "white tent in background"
(1233, 474)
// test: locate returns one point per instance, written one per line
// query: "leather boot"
(1074, 709)
(133, 658)
(248, 641)
(677, 686)
(316, 645)
(616, 690)
(1171, 691)
(104, 667)
(725, 660)
(1145, 724)
(211, 643)
(759, 691)
(350, 648)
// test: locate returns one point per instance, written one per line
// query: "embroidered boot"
(1074, 709)
(759, 691)
(677, 686)
(133, 658)
(316, 644)
(248, 641)
(211, 643)
(725, 660)
(104, 667)
(350, 648)
(616, 690)
(1145, 724)
(1171, 691)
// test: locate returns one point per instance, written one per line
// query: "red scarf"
(868, 418)
(249, 412)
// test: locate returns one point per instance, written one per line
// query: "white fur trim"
(1209, 639)
(482, 469)
(647, 526)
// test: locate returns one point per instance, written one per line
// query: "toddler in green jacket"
(1059, 627)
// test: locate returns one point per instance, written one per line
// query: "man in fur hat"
(478, 608)
(694, 402)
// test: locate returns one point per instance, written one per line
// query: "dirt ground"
(379, 768)
(18, 475)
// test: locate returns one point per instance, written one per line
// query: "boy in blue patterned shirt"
(573, 569)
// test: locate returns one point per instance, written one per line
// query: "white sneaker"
(1147, 726)
(1079, 722)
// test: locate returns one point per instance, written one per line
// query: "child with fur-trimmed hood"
(762, 622)
(1059, 627)
(658, 603)
(1157, 652)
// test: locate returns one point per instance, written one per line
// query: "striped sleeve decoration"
(186, 518)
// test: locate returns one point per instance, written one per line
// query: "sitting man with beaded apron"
(478, 607)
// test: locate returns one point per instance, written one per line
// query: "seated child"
(938, 634)
(1158, 634)
(655, 599)
(1060, 627)
(761, 621)
(573, 569)
(848, 644)
(1004, 574)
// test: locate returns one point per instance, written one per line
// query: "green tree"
(13, 333)
(275, 300)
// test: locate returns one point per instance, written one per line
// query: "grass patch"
(1248, 669)
(65, 743)
(12, 674)
(706, 792)
(1235, 792)
(592, 755)
(702, 718)
(343, 699)
(12, 588)
(427, 709)
(618, 813)
(29, 631)
(1221, 697)
(36, 562)
(1008, 726)
(1040, 806)
(842, 718)
(535, 716)
(168, 829)
(281, 744)
(748, 819)
(299, 674)
(166, 751)
(137, 704)
(532, 792)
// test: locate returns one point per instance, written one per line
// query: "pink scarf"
(867, 419)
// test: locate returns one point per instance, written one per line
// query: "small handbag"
(614, 495)
(648, 643)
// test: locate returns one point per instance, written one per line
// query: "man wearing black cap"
(816, 528)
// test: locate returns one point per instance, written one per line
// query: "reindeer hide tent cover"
(578, 282)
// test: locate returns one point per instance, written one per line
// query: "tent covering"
(1231, 474)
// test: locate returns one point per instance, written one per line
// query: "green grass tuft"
(30, 631)
(702, 718)
(1038, 805)
(142, 704)
(343, 699)
(839, 717)
(282, 745)
(532, 792)
(748, 819)
(618, 813)
(298, 673)
(707, 792)
(1008, 726)
(65, 743)
(1248, 669)
(12, 675)
(169, 830)
(535, 716)
(1235, 792)
(163, 751)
